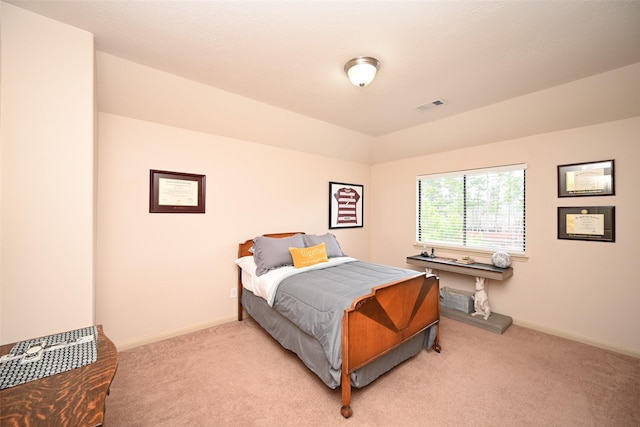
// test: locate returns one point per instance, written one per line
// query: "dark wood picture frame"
(176, 192)
(586, 179)
(346, 203)
(592, 223)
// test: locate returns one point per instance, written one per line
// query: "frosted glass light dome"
(362, 70)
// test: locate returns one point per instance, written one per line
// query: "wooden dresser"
(75, 398)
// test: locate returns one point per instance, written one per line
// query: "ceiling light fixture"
(362, 70)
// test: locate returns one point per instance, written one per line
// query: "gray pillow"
(272, 252)
(330, 241)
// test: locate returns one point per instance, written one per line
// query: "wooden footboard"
(376, 323)
(381, 321)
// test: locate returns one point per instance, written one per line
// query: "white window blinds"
(482, 208)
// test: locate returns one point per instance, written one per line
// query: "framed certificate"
(586, 179)
(176, 192)
(596, 223)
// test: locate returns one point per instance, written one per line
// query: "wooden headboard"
(243, 250)
(244, 247)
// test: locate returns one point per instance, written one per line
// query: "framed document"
(176, 192)
(345, 205)
(586, 179)
(596, 223)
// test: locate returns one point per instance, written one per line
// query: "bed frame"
(376, 323)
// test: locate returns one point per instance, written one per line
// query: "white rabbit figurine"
(481, 300)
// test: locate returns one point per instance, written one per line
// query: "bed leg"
(346, 410)
(436, 342)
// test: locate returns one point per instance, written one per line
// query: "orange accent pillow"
(304, 257)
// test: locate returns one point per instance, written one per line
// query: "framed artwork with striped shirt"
(345, 205)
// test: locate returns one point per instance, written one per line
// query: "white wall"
(47, 188)
(162, 274)
(583, 290)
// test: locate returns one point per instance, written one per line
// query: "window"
(480, 209)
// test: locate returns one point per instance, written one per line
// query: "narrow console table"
(495, 322)
(476, 269)
(74, 398)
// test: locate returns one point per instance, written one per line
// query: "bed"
(349, 321)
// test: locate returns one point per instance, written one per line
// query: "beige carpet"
(236, 375)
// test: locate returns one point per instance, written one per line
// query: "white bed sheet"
(265, 286)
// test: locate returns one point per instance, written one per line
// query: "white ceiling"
(291, 54)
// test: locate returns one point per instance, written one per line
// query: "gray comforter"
(315, 300)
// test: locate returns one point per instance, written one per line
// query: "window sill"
(459, 252)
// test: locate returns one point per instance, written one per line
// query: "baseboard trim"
(583, 340)
(524, 324)
(174, 333)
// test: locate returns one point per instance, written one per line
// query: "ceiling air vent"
(431, 104)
